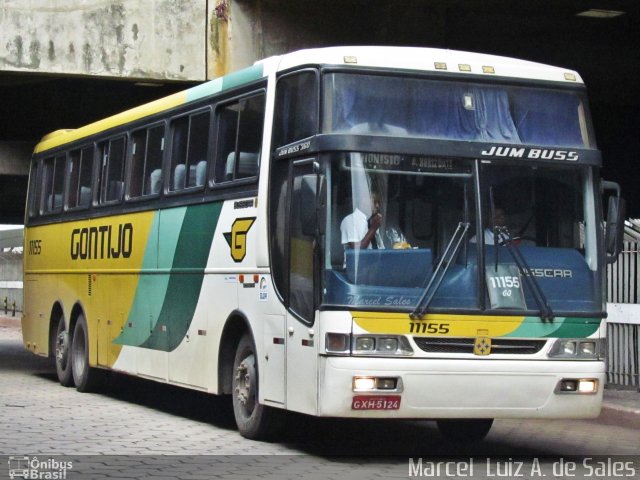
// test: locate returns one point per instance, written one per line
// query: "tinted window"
(146, 161)
(189, 151)
(53, 183)
(112, 177)
(296, 108)
(80, 175)
(239, 139)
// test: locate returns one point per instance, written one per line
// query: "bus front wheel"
(465, 430)
(61, 349)
(254, 420)
(85, 377)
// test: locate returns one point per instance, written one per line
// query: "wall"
(10, 280)
(147, 39)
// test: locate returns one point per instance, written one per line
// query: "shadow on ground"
(315, 436)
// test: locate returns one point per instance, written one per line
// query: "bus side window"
(240, 127)
(34, 190)
(53, 183)
(80, 175)
(112, 175)
(189, 151)
(146, 150)
(296, 112)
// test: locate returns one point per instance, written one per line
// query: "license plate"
(378, 402)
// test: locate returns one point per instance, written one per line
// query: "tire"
(61, 347)
(465, 430)
(254, 420)
(85, 377)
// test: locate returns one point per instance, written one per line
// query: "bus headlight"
(588, 348)
(381, 345)
(577, 348)
(365, 344)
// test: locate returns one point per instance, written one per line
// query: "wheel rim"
(62, 349)
(244, 385)
(79, 352)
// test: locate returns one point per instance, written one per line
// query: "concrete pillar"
(14, 158)
(10, 282)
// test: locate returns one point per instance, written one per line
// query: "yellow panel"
(437, 324)
(63, 137)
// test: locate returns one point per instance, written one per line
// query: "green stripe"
(183, 290)
(560, 327)
(227, 82)
(152, 288)
(577, 328)
(241, 77)
(204, 90)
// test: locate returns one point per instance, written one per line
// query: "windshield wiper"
(505, 239)
(441, 270)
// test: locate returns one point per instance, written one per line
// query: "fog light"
(365, 344)
(364, 383)
(386, 383)
(578, 385)
(588, 386)
(568, 385)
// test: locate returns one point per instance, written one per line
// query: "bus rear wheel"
(254, 420)
(85, 377)
(61, 350)
(465, 430)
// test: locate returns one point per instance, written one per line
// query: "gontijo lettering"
(102, 242)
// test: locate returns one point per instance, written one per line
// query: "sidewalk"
(620, 406)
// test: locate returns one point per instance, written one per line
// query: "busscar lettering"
(102, 242)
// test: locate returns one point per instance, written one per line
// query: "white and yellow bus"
(205, 240)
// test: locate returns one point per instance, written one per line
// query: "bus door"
(302, 341)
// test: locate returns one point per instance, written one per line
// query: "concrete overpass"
(66, 63)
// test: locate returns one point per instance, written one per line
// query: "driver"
(358, 231)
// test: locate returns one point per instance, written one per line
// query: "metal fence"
(623, 325)
(623, 285)
(623, 354)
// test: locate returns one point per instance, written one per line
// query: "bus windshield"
(399, 226)
(393, 105)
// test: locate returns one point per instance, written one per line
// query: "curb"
(613, 414)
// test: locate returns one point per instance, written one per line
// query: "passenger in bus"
(499, 221)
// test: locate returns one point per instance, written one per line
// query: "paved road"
(148, 420)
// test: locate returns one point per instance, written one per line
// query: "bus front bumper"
(456, 388)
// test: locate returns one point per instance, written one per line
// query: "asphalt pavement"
(140, 429)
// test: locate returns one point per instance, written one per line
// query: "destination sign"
(409, 164)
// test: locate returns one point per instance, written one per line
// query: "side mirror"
(614, 227)
(312, 194)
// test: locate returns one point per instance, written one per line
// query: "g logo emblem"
(237, 237)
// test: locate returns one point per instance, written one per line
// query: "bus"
(206, 240)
